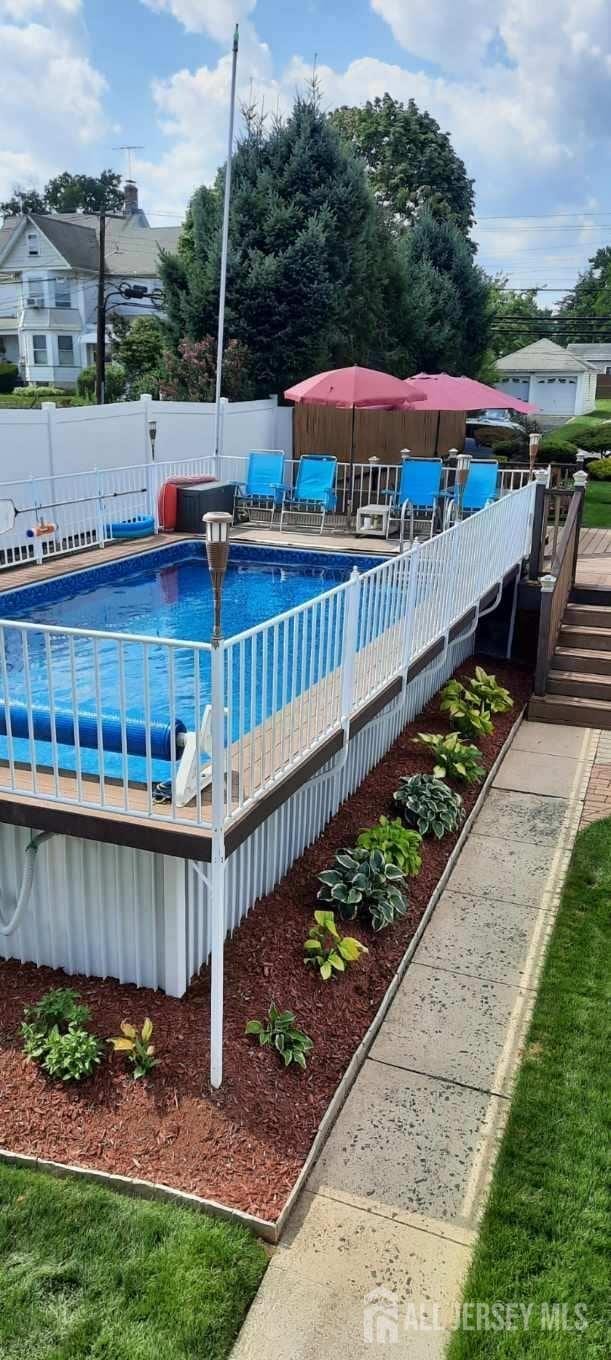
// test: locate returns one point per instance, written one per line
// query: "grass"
(597, 507)
(546, 1230)
(89, 1275)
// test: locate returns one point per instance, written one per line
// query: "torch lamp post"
(217, 524)
(463, 463)
(152, 437)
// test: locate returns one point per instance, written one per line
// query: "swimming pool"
(164, 594)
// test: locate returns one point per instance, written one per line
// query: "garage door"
(515, 387)
(555, 396)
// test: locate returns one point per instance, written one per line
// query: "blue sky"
(524, 90)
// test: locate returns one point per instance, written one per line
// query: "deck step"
(588, 616)
(598, 595)
(586, 661)
(580, 686)
(558, 708)
(585, 639)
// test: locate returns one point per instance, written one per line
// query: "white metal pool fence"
(278, 690)
(80, 509)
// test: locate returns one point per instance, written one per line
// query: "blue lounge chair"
(418, 494)
(264, 478)
(313, 491)
(481, 488)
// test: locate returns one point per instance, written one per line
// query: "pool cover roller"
(84, 726)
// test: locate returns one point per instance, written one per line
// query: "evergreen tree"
(446, 317)
(313, 275)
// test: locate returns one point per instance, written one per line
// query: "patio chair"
(417, 495)
(313, 492)
(263, 488)
(481, 489)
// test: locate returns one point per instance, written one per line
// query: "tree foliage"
(190, 375)
(591, 297)
(68, 193)
(411, 162)
(138, 346)
(446, 316)
(516, 319)
(314, 279)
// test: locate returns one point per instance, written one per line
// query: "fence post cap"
(48, 406)
(145, 396)
(541, 475)
(547, 583)
(580, 479)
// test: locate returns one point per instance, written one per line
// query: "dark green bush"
(115, 383)
(555, 449)
(9, 374)
(597, 442)
(512, 451)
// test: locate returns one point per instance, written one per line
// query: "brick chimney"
(130, 192)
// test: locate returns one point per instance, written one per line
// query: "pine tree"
(447, 316)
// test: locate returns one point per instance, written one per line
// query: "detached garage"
(558, 382)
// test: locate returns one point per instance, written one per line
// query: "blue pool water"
(166, 594)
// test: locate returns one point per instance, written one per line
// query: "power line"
(525, 217)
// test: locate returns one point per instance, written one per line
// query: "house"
(48, 284)
(559, 382)
(598, 356)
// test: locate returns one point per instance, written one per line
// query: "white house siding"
(48, 258)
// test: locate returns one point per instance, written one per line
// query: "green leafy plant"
(397, 844)
(71, 1056)
(328, 949)
(54, 1035)
(465, 711)
(600, 469)
(137, 1046)
(492, 696)
(429, 804)
(364, 881)
(454, 758)
(282, 1033)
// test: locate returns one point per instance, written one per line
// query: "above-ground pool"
(166, 594)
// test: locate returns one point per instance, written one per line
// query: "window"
(39, 345)
(35, 293)
(62, 292)
(32, 240)
(65, 351)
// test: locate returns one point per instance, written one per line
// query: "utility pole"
(100, 355)
(224, 251)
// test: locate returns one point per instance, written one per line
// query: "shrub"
(9, 374)
(329, 950)
(398, 846)
(282, 1033)
(428, 804)
(487, 692)
(511, 450)
(555, 449)
(454, 758)
(465, 711)
(59, 1007)
(71, 1056)
(114, 383)
(600, 470)
(364, 881)
(138, 1049)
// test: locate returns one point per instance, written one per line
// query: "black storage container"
(195, 501)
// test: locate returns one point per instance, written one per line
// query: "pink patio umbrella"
(446, 393)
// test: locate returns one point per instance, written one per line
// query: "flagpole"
(224, 250)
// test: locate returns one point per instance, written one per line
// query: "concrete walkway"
(377, 1249)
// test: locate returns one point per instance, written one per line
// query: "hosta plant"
(454, 758)
(429, 804)
(488, 693)
(281, 1032)
(465, 711)
(397, 844)
(328, 949)
(137, 1047)
(71, 1056)
(364, 882)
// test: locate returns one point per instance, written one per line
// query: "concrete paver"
(551, 740)
(549, 775)
(460, 1028)
(501, 945)
(503, 870)
(410, 1141)
(522, 817)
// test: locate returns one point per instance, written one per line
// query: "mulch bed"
(245, 1144)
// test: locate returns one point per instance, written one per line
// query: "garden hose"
(25, 891)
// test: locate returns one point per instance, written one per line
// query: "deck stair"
(578, 687)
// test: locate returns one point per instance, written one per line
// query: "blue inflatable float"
(141, 526)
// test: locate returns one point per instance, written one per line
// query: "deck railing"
(556, 588)
(80, 509)
(112, 721)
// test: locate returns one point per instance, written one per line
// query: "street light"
(217, 524)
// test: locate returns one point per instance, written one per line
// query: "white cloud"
(51, 97)
(21, 10)
(215, 17)
(440, 32)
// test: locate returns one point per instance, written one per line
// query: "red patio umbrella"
(442, 392)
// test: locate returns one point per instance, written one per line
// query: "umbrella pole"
(437, 432)
(351, 472)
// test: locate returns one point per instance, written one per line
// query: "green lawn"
(89, 1275)
(597, 508)
(546, 1232)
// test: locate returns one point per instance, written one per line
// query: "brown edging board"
(265, 1228)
